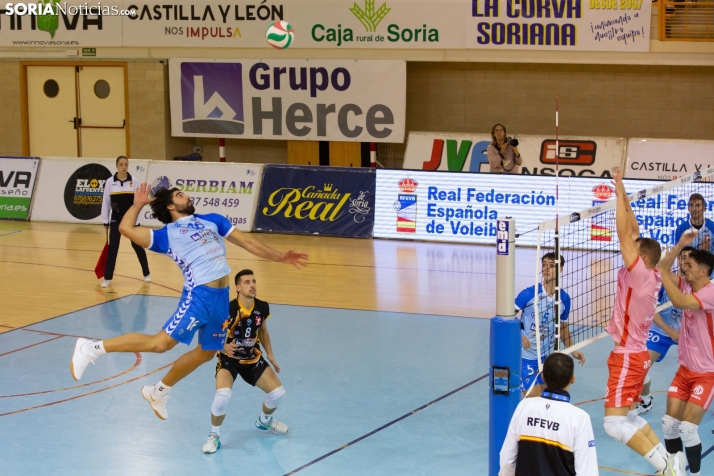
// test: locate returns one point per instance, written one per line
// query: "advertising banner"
(62, 23)
(453, 207)
(581, 156)
(72, 190)
(223, 188)
(560, 25)
(335, 201)
(667, 159)
(328, 100)
(17, 184)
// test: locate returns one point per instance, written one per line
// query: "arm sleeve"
(225, 227)
(494, 158)
(524, 298)
(705, 297)
(159, 241)
(107, 201)
(565, 298)
(584, 448)
(509, 450)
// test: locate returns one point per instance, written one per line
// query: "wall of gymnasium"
(666, 93)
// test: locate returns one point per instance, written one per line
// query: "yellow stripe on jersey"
(545, 441)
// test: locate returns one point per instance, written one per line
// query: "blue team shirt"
(546, 304)
(706, 229)
(671, 316)
(196, 244)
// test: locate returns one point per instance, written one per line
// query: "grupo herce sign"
(334, 100)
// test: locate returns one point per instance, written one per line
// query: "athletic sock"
(216, 430)
(646, 399)
(97, 348)
(694, 458)
(661, 449)
(657, 460)
(161, 390)
(265, 419)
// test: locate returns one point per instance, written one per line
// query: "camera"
(512, 141)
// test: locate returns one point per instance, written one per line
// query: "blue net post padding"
(505, 351)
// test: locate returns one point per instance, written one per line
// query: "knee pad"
(220, 401)
(689, 434)
(670, 427)
(634, 418)
(275, 398)
(619, 428)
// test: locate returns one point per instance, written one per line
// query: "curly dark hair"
(163, 198)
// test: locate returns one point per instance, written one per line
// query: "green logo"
(46, 21)
(368, 17)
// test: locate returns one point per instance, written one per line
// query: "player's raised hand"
(687, 238)
(579, 357)
(294, 258)
(141, 195)
(617, 180)
(705, 244)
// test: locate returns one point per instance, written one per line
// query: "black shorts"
(250, 373)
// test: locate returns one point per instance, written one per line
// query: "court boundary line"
(387, 425)
(12, 232)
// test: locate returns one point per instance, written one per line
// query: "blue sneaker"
(212, 445)
(273, 425)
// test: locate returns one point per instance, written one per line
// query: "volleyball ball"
(158, 184)
(280, 35)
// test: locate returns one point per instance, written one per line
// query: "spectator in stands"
(503, 155)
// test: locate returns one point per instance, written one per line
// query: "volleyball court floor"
(368, 392)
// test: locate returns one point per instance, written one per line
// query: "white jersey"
(548, 435)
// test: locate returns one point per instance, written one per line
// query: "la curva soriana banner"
(228, 189)
(458, 207)
(17, 185)
(564, 25)
(72, 190)
(667, 159)
(331, 100)
(336, 201)
(577, 156)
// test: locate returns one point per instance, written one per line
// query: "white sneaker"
(643, 407)
(106, 283)
(147, 278)
(212, 445)
(675, 465)
(81, 358)
(158, 404)
(273, 425)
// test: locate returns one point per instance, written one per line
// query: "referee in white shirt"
(547, 434)
(118, 198)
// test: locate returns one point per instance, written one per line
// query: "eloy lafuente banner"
(334, 100)
(316, 200)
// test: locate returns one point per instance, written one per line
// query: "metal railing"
(686, 20)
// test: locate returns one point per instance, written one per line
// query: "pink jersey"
(696, 336)
(635, 301)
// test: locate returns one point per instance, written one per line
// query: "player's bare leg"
(681, 424)
(224, 390)
(270, 384)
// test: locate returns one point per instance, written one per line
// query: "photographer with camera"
(503, 155)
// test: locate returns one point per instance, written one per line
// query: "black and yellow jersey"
(548, 435)
(243, 327)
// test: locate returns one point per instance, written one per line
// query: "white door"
(52, 109)
(101, 108)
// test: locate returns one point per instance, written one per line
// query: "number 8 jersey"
(243, 327)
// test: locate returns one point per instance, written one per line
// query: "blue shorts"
(201, 309)
(529, 372)
(659, 343)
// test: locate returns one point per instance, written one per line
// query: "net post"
(505, 345)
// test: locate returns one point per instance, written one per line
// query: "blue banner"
(336, 201)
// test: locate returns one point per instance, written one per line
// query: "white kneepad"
(635, 419)
(275, 398)
(220, 401)
(619, 428)
(670, 427)
(689, 434)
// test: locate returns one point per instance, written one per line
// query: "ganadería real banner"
(17, 185)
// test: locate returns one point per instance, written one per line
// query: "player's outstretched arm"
(674, 335)
(257, 248)
(667, 261)
(624, 217)
(139, 235)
